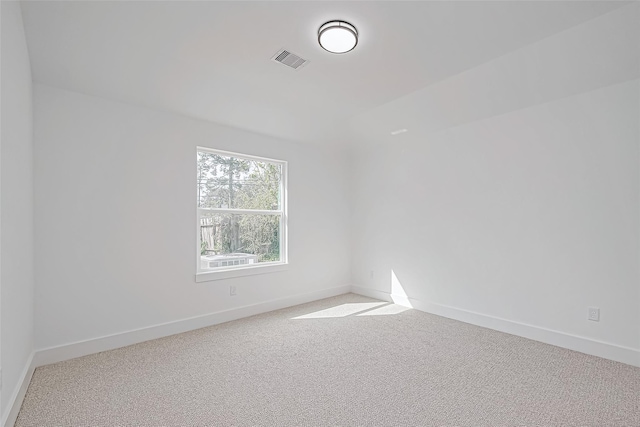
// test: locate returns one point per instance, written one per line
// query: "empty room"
(317, 213)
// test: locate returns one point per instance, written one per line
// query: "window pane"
(238, 240)
(230, 182)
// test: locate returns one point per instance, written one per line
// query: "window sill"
(240, 272)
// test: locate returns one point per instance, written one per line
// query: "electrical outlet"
(594, 314)
(371, 275)
(232, 290)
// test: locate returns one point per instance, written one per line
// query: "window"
(241, 213)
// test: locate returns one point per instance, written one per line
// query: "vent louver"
(289, 59)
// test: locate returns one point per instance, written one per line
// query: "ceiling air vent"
(289, 59)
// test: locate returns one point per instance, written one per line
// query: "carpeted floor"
(343, 361)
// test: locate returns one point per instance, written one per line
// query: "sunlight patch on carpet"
(342, 310)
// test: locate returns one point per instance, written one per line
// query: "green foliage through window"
(226, 182)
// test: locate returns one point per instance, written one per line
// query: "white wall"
(16, 230)
(529, 216)
(115, 216)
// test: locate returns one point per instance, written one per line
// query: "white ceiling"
(211, 60)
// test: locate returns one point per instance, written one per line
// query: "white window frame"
(246, 270)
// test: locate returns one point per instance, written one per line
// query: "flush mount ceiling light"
(337, 36)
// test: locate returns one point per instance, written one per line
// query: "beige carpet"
(343, 361)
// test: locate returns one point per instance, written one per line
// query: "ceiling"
(211, 60)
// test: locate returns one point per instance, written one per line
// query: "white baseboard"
(586, 345)
(15, 401)
(50, 355)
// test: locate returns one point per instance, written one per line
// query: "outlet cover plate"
(594, 314)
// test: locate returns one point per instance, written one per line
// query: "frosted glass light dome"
(338, 36)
